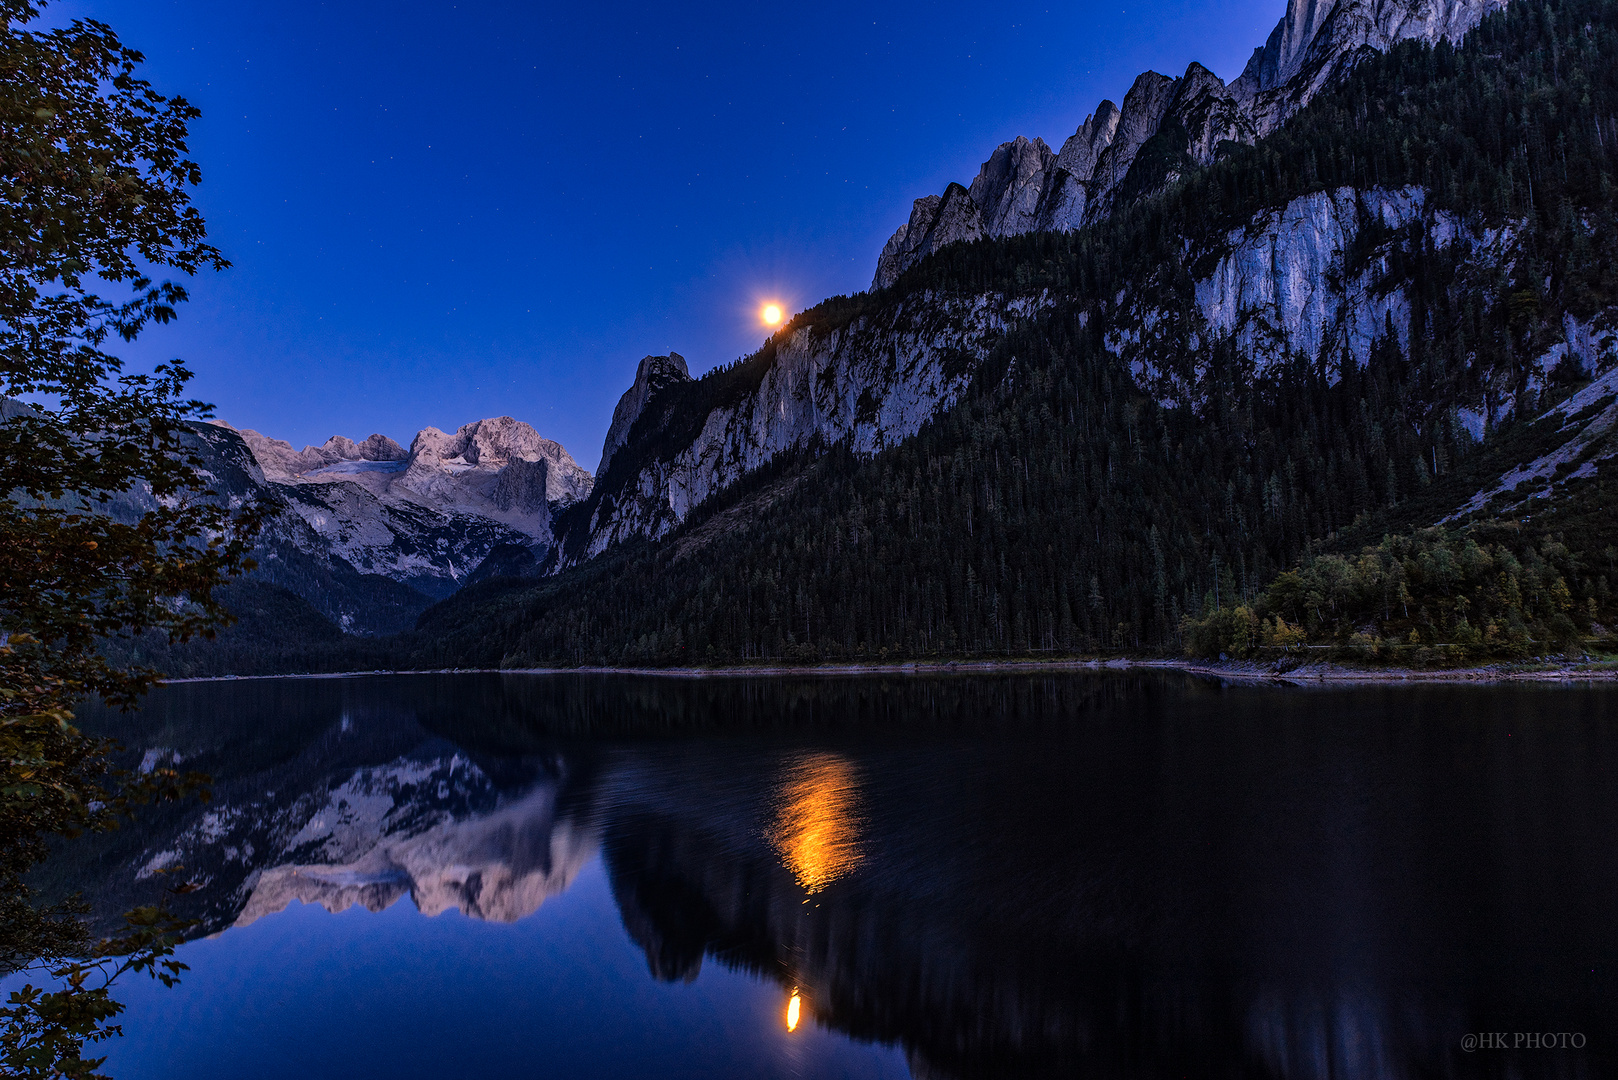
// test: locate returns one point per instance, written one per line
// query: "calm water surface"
(1098, 875)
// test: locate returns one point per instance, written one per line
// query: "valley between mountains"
(1322, 359)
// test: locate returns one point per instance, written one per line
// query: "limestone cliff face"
(523, 486)
(1306, 281)
(1023, 187)
(1289, 284)
(873, 382)
(1285, 287)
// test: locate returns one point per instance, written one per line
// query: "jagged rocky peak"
(1083, 148)
(935, 220)
(1023, 187)
(1211, 113)
(378, 448)
(1007, 189)
(653, 374)
(1279, 58)
(1316, 32)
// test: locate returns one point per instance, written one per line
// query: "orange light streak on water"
(817, 827)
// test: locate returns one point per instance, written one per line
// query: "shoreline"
(1238, 671)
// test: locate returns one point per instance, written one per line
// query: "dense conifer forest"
(1060, 508)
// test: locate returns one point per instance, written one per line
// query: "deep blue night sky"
(444, 211)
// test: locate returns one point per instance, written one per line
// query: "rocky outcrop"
(1007, 192)
(1286, 288)
(1302, 281)
(654, 374)
(936, 220)
(1024, 188)
(523, 486)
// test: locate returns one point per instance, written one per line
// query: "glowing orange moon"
(771, 314)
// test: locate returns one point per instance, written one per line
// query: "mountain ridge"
(1025, 187)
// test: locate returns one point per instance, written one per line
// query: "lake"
(1100, 874)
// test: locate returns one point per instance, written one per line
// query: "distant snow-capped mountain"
(498, 468)
(372, 534)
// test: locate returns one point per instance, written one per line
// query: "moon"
(771, 314)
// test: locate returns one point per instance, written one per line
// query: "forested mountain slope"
(873, 373)
(1344, 328)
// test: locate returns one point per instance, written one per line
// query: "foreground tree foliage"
(94, 183)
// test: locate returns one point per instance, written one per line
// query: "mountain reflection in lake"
(1106, 874)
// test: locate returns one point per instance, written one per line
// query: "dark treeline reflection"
(1107, 874)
